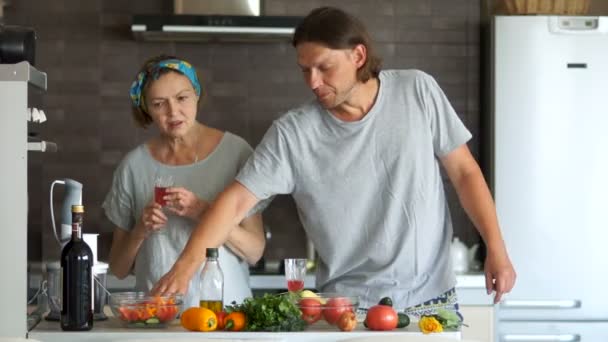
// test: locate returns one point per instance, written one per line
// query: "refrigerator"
(549, 174)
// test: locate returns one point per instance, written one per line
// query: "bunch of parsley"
(270, 313)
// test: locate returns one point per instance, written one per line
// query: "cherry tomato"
(335, 307)
(381, 317)
(221, 316)
(347, 321)
(311, 310)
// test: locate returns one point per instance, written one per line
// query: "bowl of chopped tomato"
(140, 310)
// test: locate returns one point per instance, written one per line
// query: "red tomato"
(311, 310)
(220, 319)
(381, 317)
(347, 321)
(166, 313)
(335, 307)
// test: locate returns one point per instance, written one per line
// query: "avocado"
(403, 320)
(386, 301)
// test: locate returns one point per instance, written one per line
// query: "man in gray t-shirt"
(362, 162)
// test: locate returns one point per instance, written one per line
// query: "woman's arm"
(125, 245)
(247, 240)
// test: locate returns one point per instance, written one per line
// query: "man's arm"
(475, 198)
(226, 212)
(247, 240)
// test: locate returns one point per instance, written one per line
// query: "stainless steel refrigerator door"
(553, 332)
(551, 165)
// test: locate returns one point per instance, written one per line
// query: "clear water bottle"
(212, 283)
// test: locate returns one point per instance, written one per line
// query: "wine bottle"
(77, 276)
(212, 283)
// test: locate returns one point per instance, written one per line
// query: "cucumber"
(152, 320)
(386, 301)
(403, 320)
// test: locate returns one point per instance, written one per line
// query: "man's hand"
(500, 274)
(173, 282)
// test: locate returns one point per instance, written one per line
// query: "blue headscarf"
(180, 66)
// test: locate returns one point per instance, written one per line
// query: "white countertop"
(113, 330)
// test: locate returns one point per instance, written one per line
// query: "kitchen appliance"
(215, 20)
(549, 116)
(72, 196)
(19, 83)
(17, 44)
(463, 257)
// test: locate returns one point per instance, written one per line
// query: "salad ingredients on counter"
(429, 324)
(403, 320)
(199, 319)
(311, 294)
(347, 321)
(381, 317)
(270, 313)
(445, 318)
(235, 321)
(311, 309)
(221, 319)
(386, 301)
(153, 312)
(335, 307)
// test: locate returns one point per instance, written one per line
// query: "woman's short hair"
(337, 29)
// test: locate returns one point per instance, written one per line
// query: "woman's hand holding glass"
(183, 202)
(153, 219)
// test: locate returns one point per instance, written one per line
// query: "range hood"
(214, 20)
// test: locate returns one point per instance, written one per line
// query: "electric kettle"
(463, 258)
(72, 196)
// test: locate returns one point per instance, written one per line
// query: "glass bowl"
(140, 310)
(324, 306)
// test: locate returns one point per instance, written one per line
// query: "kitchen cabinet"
(480, 320)
(524, 331)
(476, 307)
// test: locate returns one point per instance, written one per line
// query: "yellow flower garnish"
(428, 324)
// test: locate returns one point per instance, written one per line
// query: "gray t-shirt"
(369, 193)
(133, 188)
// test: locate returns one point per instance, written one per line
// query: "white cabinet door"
(553, 331)
(480, 321)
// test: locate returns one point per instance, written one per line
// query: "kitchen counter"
(113, 330)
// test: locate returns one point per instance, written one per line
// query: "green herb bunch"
(270, 313)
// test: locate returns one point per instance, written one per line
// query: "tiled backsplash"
(90, 57)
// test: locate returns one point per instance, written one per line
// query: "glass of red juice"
(295, 271)
(161, 183)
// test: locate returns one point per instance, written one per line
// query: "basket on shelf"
(568, 7)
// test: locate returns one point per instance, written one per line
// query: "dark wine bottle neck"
(76, 232)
